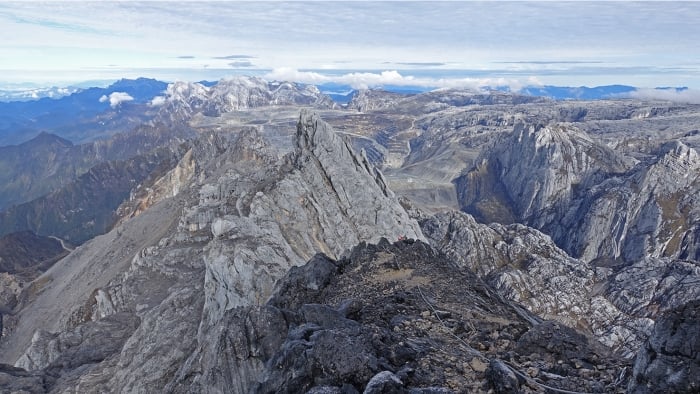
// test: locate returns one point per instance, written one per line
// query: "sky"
(359, 43)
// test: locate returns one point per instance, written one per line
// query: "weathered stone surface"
(502, 378)
(594, 202)
(670, 361)
(199, 252)
(618, 306)
(17, 380)
(384, 382)
(417, 323)
(235, 219)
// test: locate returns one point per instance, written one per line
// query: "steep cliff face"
(234, 267)
(85, 207)
(180, 267)
(537, 169)
(594, 202)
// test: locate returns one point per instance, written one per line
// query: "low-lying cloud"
(681, 96)
(365, 80)
(116, 98)
(158, 101)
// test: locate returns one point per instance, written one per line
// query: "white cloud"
(147, 36)
(364, 80)
(690, 96)
(157, 101)
(116, 98)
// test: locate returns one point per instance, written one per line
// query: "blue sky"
(644, 44)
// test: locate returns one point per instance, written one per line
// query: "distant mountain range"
(81, 115)
(344, 93)
(86, 114)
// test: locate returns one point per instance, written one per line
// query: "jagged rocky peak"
(182, 91)
(251, 146)
(169, 281)
(265, 219)
(316, 141)
(678, 160)
(293, 92)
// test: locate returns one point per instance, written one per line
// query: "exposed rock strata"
(183, 280)
(247, 217)
(594, 202)
(618, 305)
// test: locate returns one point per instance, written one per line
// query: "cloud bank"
(565, 43)
(689, 96)
(365, 80)
(116, 98)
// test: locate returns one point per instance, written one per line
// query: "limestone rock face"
(228, 221)
(593, 202)
(670, 360)
(90, 343)
(618, 305)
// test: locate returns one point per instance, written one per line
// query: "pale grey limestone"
(245, 217)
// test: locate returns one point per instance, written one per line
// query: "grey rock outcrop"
(65, 357)
(372, 99)
(18, 380)
(618, 305)
(204, 251)
(594, 202)
(670, 361)
(236, 269)
(402, 318)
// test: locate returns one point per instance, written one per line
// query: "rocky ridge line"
(244, 219)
